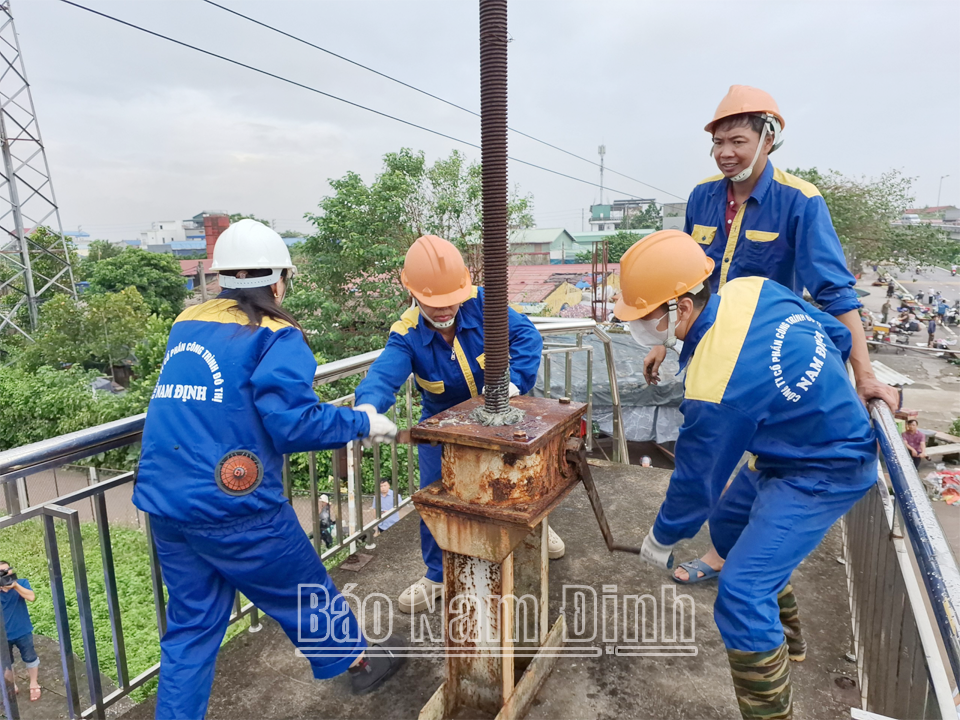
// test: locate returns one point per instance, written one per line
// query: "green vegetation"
(156, 276)
(862, 211)
(955, 427)
(617, 245)
(348, 292)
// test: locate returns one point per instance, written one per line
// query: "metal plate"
(545, 418)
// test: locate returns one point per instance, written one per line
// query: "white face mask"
(644, 331)
(439, 325)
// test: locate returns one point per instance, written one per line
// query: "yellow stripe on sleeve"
(717, 354)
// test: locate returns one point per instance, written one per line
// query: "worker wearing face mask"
(765, 374)
(440, 341)
(756, 220)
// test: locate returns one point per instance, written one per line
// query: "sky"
(138, 129)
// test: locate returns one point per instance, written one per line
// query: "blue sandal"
(694, 568)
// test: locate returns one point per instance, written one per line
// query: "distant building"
(163, 232)
(543, 246)
(611, 217)
(674, 215)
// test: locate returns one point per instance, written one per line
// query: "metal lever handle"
(578, 456)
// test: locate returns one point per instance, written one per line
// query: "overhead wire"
(331, 96)
(431, 95)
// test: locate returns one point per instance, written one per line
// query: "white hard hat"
(250, 245)
(325, 497)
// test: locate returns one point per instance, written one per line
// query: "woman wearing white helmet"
(235, 394)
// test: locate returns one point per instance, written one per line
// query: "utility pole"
(29, 268)
(940, 188)
(603, 151)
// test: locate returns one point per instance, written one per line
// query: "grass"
(22, 545)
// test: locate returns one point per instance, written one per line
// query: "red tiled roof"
(532, 283)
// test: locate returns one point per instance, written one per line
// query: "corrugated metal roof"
(589, 238)
(536, 235)
(889, 376)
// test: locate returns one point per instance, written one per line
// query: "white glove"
(382, 428)
(512, 392)
(653, 552)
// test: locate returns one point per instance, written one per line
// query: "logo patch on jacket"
(239, 472)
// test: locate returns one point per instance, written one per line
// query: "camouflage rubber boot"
(762, 683)
(790, 619)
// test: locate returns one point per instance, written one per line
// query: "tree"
(236, 217)
(291, 234)
(97, 251)
(349, 291)
(96, 332)
(617, 245)
(863, 211)
(650, 218)
(156, 277)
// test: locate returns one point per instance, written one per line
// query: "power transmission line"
(331, 96)
(431, 95)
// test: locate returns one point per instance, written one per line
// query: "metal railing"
(898, 649)
(18, 463)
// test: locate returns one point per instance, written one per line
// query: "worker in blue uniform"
(756, 220)
(765, 373)
(440, 341)
(234, 395)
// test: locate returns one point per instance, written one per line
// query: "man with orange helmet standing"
(440, 341)
(765, 374)
(756, 220)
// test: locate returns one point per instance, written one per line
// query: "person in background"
(386, 503)
(942, 308)
(16, 621)
(915, 441)
(891, 288)
(325, 521)
(885, 310)
(931, 332)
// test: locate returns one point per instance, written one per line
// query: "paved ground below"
(259, 676)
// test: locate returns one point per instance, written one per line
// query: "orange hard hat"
(745, 99)
(434, 272)
(657, 269)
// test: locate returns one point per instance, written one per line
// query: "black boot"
(379, 663)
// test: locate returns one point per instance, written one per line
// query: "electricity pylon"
(34, 263)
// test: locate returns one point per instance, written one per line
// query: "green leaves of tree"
(155, 276)
(348, 291)
(863, 209)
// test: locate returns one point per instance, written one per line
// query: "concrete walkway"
(258, 675)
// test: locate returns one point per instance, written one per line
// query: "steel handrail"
(938, 567)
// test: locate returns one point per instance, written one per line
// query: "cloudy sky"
(138, 129)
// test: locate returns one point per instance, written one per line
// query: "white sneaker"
(420, 596)
(555, 546)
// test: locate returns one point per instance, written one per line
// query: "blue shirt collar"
(704, 322)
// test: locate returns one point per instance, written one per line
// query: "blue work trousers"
(430, 456)
(269, 559)
(764, 526)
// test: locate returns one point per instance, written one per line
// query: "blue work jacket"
(446, 376)
(223, 388)
(783, 232)
(765, 375)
